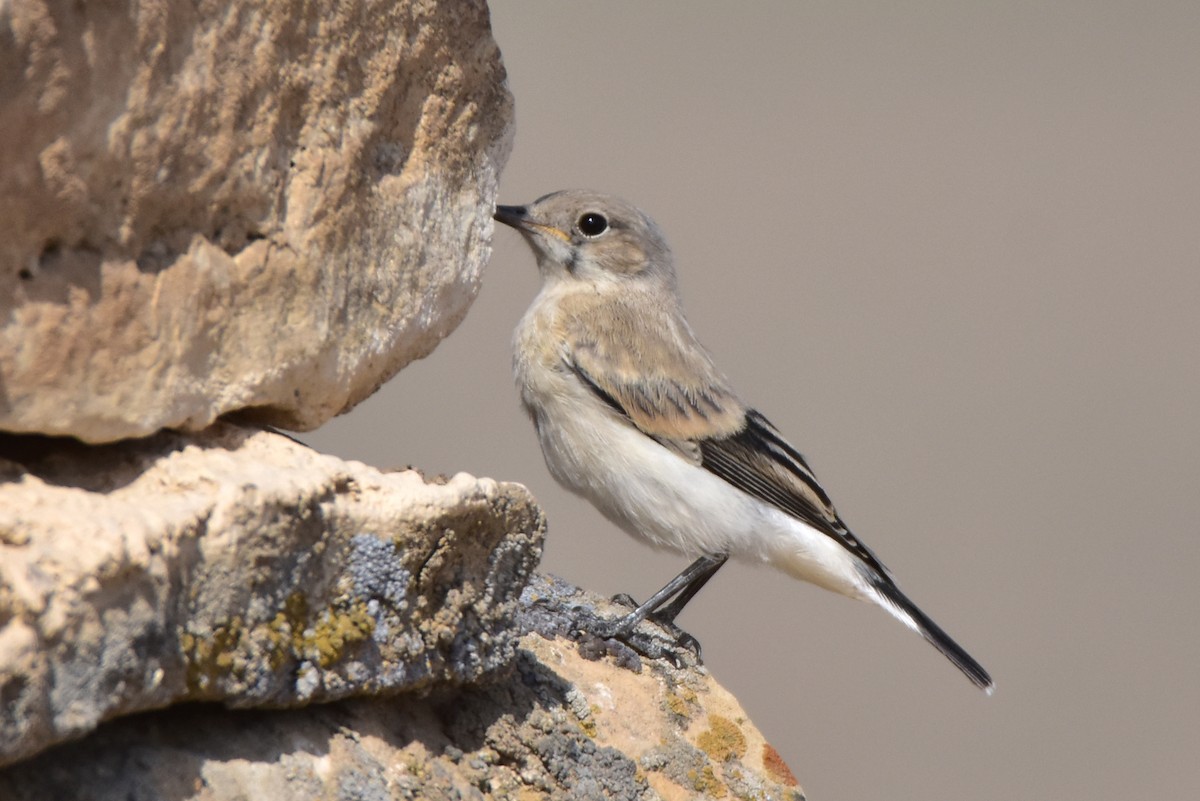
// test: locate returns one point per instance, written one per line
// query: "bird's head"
(588, 236)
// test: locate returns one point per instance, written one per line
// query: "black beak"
(515, 216)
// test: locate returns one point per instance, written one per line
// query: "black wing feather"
(748, 460)
(751, 459)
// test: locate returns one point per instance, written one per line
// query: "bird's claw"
(624, 599)
(647, 645)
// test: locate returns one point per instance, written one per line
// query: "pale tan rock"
(240, 566)
(558, 725)
(207, 207)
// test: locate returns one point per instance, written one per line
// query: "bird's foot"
(625, 630)
(680, 638)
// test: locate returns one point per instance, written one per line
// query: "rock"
(237, 565)
(263, 206)
(556, 726)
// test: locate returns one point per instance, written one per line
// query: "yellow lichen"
(677, 705)
(722, 740)
(338, 630)
(706, 781)
(286, 636)
(212, 656)
(588, 724)
(285, 632)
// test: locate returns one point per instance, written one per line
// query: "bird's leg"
(668, 613)
(684, 586)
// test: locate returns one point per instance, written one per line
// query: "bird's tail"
(898, 604)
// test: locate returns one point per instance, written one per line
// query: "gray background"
(953, 252)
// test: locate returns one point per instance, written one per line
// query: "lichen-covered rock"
(208, 207)
(686, 734)
(240, 566)
(558, 725)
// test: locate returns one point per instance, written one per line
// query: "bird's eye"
(592, 223)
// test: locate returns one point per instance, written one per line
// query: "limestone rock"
(240, 566)
(208, 207)
(568, 721)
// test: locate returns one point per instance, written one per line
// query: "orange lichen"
(775, 766)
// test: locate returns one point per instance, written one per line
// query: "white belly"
(661, 498)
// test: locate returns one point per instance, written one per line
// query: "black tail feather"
(936, 637)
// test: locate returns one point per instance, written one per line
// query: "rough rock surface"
(569, 721)
(240, 566)
(207, 207)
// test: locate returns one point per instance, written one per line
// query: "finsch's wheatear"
(633, 415)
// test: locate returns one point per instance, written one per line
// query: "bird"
(633, 415)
